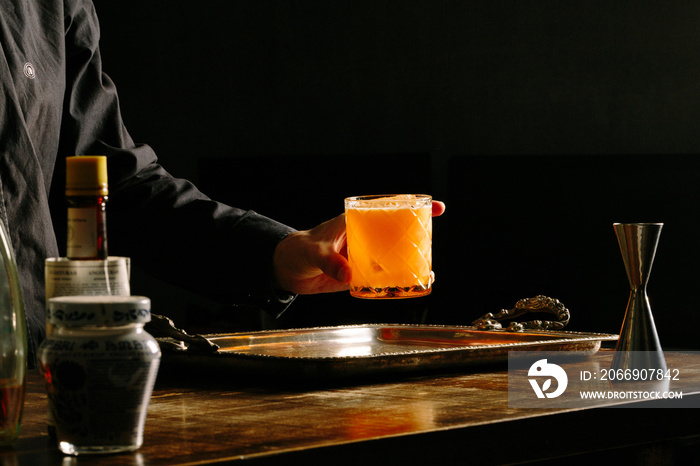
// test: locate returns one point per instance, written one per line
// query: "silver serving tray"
(333, 352)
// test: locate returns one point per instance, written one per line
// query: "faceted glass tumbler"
(389, 239)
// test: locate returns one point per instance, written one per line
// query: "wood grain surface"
(217, 419)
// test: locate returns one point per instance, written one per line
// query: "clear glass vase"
(13, 344)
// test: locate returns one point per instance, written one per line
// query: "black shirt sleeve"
(165, 224)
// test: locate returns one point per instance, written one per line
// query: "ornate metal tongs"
(538, 304)
(161, 326)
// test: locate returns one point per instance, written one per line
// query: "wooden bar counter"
(461, 418)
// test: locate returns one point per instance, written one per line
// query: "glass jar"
(100, 366)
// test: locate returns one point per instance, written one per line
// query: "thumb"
(336, 267)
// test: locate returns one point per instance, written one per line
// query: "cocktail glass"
(389, 240)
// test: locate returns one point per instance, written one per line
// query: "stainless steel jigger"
(638, 346)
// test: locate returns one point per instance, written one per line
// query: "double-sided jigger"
(638, 346)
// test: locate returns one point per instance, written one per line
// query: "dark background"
(539, 123)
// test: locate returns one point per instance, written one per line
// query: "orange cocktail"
(389, 245)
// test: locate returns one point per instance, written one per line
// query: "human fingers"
(331, 261)
(311, 261)
(336, 267)
(438, 208)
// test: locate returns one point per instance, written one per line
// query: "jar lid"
(79, 311)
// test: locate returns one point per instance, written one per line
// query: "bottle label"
(82, 232)
(87, 277)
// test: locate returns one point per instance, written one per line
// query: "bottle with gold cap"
(87, 194)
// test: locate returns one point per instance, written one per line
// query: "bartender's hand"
(315, 261)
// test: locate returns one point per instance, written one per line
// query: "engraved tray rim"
(334, 366)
